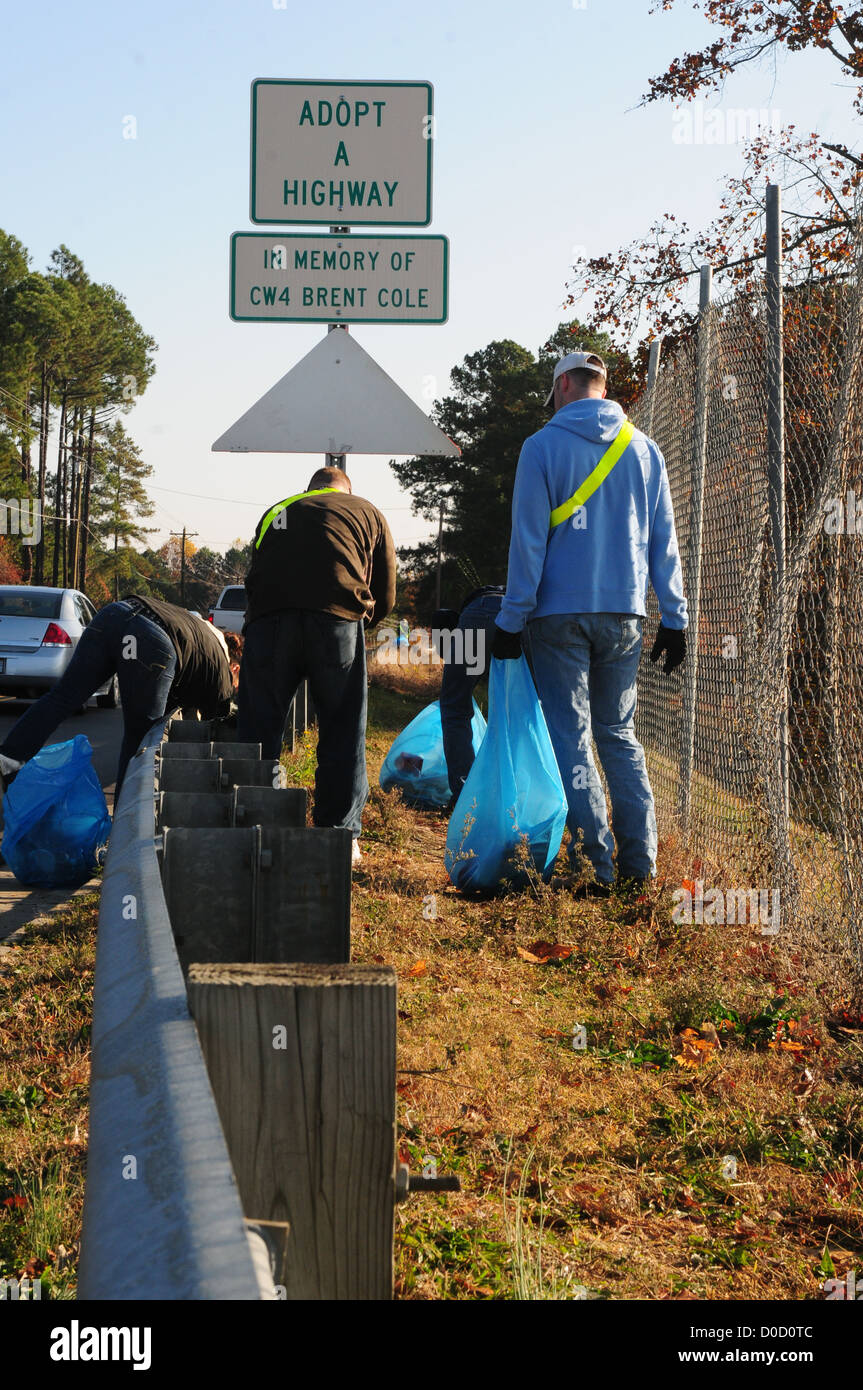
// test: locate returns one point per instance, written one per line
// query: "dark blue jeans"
(119, 642)
(469, 662)
(586, 666)
(279, 651)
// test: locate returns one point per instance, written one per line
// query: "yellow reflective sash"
(598, 476)
(280, 506)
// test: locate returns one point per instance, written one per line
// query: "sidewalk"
(19, 906)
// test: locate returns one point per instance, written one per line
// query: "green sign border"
(328, 221)
(334, 236)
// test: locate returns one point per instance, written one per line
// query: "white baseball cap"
(576, 361)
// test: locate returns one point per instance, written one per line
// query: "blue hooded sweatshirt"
(600, 559)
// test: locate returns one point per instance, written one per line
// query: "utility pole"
(183, 563)
(439, 552)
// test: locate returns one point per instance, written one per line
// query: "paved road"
(104, 729)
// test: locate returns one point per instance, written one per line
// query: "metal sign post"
(337, 460)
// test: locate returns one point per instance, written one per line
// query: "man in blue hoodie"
(592, 522)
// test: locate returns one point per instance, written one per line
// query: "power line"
(240, 501)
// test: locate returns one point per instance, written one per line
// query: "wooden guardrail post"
(302, 1062)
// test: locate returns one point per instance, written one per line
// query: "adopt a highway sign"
(289, 277)
(341, 153)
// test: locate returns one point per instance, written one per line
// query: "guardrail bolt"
(408, 1183)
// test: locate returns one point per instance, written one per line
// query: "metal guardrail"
(162, 1213)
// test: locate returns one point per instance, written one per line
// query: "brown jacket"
(329, 551)
(203, 677)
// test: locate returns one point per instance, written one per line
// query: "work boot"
(631, 885)
(597, 888)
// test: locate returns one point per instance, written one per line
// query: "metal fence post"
(652, 374)
(699, 458)
(776, 458)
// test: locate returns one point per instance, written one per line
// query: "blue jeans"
(280, 649)
(585, 667)
(458, 684)
(144, 668)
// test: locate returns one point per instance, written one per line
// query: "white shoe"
(8, 768)
(355, 853)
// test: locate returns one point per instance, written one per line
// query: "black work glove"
(506, 645)
(672, 641)
(444, 619)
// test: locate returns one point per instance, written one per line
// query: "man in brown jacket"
(323, 565)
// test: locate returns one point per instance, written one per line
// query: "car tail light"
(209, 617)
(56, 637)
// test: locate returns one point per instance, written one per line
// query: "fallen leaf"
(541, 951)
(607, 989)
(804, 1083)
(691, 1050)
(473, 1120)
(418, 968)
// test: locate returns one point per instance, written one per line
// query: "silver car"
(39, 630)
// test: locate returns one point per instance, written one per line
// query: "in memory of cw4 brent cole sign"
(333, 153)
(284, 277)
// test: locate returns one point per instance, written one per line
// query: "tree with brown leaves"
(642, 286)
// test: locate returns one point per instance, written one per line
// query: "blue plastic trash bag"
(416, 763)
(55, 817)
(513, 790)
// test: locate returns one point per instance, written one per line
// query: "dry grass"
(46, 987)
(603, 1172)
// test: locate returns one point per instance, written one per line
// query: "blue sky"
(539, 148)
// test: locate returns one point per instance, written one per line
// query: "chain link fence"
(755, 746)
